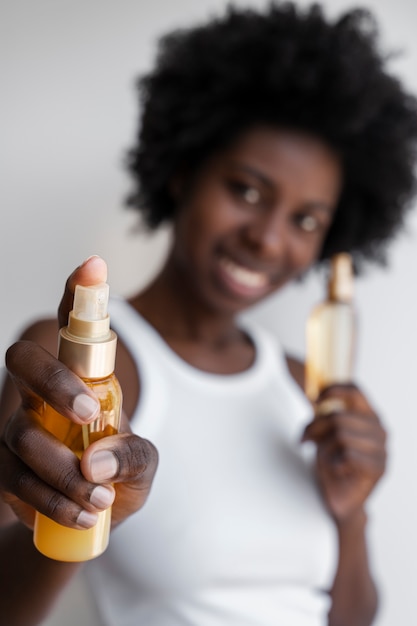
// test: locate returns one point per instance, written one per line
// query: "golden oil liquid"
(69, 544)
(330, 340)
(61, 542)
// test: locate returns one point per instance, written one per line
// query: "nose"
(267, 234)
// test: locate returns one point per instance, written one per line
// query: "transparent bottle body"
(61, 542)
(330, 341)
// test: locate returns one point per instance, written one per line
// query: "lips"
(241, 280)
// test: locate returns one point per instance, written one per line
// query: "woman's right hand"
(37, 472)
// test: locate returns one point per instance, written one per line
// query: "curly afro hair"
(286, 67)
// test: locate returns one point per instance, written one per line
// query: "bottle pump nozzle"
(90, 303)
(89, 317)
(87, 345)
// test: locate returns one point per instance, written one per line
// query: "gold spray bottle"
(330, 331)
(88, 347)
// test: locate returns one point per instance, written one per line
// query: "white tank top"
(234, 532)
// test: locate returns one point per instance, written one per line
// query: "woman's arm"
(354, 594)
(351, 459)
(35, 469)
(30, 583)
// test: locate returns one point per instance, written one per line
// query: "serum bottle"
(330, 331)
(88, 347)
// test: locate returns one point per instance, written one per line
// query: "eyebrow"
(253, 171)
(315, 205)
(320, 206)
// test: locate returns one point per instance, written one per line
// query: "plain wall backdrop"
(68, 114)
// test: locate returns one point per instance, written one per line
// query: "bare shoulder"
(297, 369)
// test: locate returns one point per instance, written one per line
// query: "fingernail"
(85, 407)
(86, 519)
(103, 466)
(98, 261)
(92, 256)
(102, 497)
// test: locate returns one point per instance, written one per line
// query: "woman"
(271, 141)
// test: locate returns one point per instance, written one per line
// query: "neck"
(176, 311)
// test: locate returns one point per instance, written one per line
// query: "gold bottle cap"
(341, 278)
(87, 345)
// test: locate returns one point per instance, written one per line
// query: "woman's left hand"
(351, 453)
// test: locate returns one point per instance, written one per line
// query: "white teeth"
(242, 275)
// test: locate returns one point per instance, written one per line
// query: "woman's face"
(255, 217)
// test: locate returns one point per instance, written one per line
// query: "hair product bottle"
(330, 331)
(88, 347)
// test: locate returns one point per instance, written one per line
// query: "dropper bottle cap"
(87, 345)
(340, 284)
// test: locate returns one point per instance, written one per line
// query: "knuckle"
(60, 509)
(18, 350)
(54, 377)
(22, 483)
(54, 506)
(69, 478)
(20, 440)
(141, 455)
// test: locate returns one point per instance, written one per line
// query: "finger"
(348, 394)
(344, 460)
(328, 406)
(350, 443)
(91, 272)
(19, 481)
(120, 458)
(46, 474)
(342, 425)
(130, 463)
(40, 377)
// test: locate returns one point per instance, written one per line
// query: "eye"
(251, 195)
(309, 223)
(247, 192)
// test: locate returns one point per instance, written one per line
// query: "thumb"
(91, 272)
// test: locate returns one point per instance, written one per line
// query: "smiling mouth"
(244, 277)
